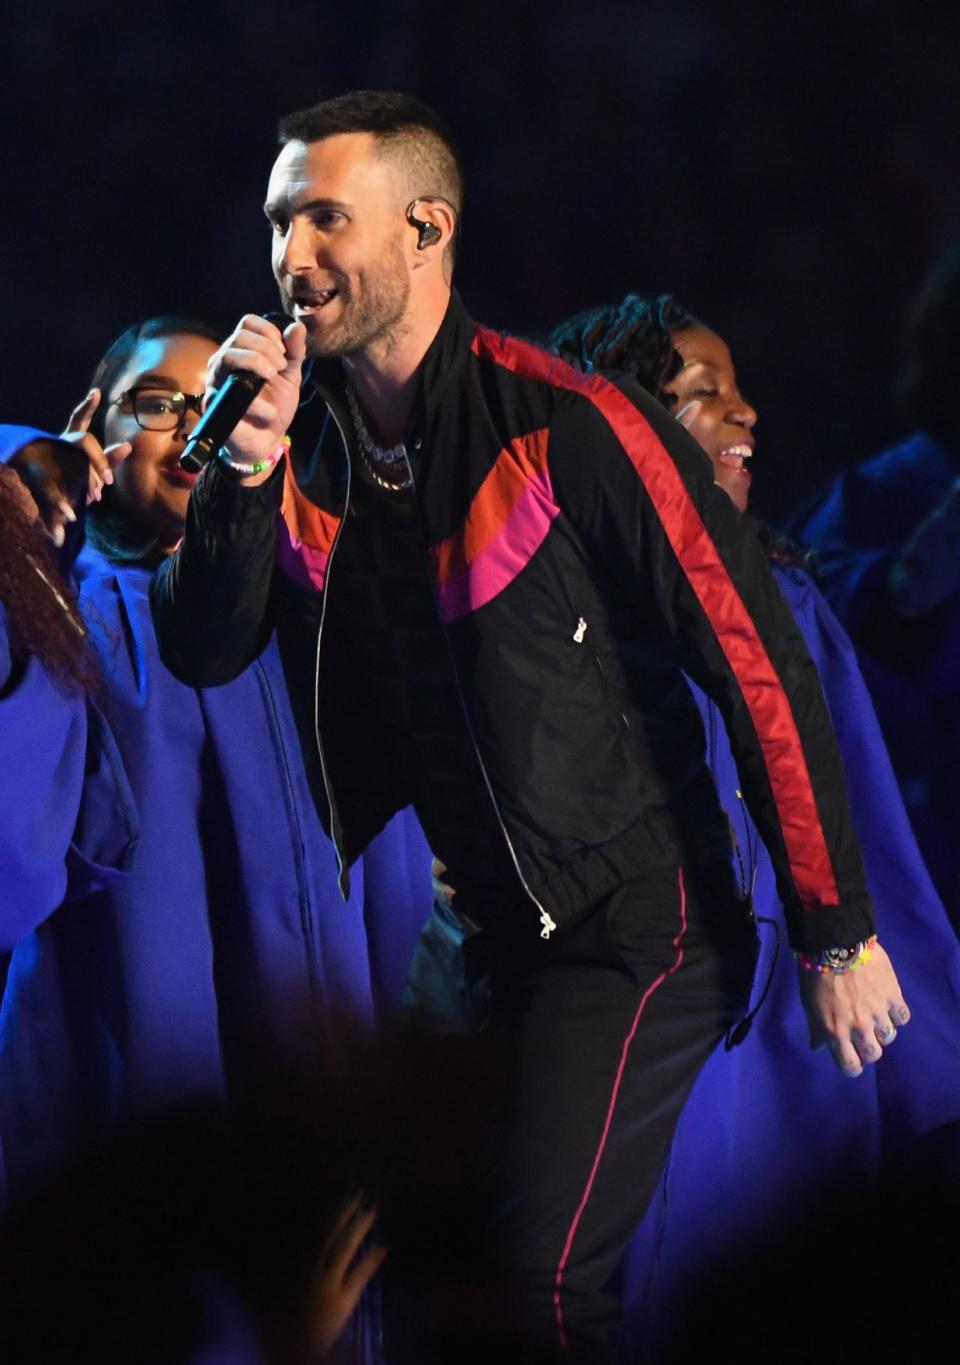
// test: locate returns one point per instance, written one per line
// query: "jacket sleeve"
(639, 493)
(211, 599)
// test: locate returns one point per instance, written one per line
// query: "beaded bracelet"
(247, 470)
(838, 961)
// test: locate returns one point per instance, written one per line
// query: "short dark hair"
(401, 124)
(108, 529)
(633, 337)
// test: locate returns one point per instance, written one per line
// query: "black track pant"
(608, 1024)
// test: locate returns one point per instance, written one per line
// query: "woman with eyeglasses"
(145, 398)
(230, 947)
(766, 1128)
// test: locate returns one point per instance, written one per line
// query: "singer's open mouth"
(306, 305)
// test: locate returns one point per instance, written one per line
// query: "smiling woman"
(706, 400)
(765, 1126)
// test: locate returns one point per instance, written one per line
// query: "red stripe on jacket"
(763, 693)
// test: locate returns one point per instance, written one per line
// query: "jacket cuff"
(224, 498)
(831, 926)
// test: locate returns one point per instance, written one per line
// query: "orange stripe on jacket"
(305, 536)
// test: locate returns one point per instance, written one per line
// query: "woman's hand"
(856, 1014)
(53, 476)
(340, 1277)
(101, 463)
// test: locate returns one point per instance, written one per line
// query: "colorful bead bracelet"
(838, 961)
(247, 470)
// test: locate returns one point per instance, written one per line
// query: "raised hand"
(55, 477)
(258, 347)
(100, 463)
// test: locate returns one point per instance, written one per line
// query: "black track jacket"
(581, 557)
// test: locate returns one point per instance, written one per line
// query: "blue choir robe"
(66, 813)
(771, 1123)
(859, 527)
(67, 819)
(228, 939)
(68, 826)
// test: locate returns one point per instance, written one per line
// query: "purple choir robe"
(771, 1123)
(859, 528)
(229, 935)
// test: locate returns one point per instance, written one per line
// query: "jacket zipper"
(547, 924)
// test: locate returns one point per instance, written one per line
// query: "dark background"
(789, 171)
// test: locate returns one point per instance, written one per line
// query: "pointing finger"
(688, 412)
(82, 414)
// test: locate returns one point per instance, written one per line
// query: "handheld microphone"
(225, 410)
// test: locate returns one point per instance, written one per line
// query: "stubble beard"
(372, 323)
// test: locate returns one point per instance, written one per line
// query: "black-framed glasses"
(157, 409)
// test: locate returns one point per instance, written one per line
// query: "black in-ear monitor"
(427, 233)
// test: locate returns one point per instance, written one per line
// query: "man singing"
(450, 532)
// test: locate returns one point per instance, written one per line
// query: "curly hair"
(41, 606)
(633, 337)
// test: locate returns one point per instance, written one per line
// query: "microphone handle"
(226, 408)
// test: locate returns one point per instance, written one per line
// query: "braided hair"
(634, 337)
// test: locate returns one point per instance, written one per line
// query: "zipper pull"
(580, 632)
(548, 924)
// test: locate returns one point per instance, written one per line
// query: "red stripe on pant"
(617, 1081)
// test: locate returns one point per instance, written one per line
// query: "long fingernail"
(64, 507)
(58, 535)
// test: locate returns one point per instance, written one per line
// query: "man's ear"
(435, 221)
